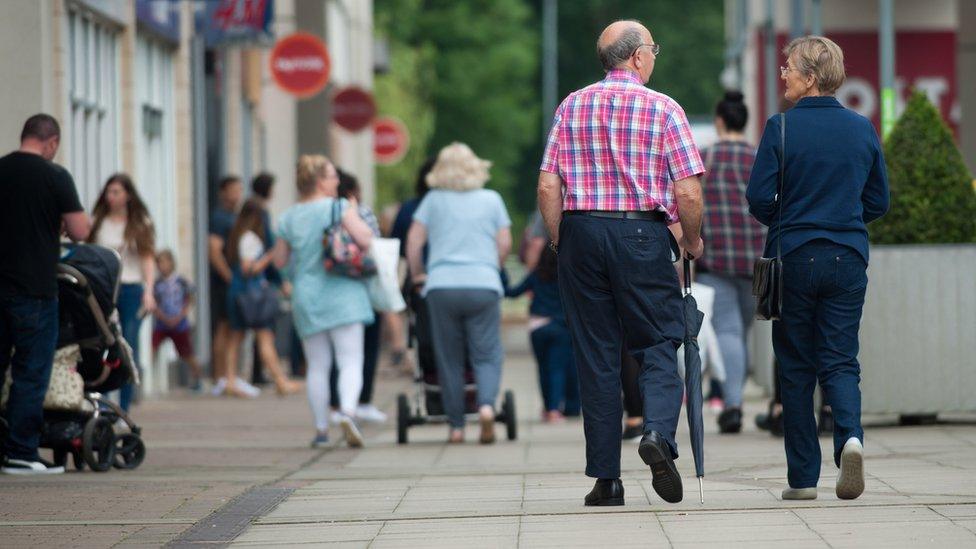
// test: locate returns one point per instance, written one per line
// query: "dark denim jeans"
(129, 302)
(558, 379)
(817, 339)
(620, 290)
(30, 327)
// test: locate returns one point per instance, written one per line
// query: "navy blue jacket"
(835, 181)
(545, 296)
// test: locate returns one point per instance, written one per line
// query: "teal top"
(320, 301)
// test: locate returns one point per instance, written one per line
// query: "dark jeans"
(558, 379)
(28, 326)
(619, 289)
(371, 355)
(129, 302)
(817, 339)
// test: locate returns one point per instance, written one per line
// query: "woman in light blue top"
(469, 233)
(329, 311)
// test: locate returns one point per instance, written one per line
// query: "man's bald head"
(618, 41)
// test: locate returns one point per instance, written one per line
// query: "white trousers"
(347, 343)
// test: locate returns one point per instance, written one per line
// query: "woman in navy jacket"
(835, 183)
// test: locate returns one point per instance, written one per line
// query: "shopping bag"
(384, 288)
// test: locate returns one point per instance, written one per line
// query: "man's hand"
(694, 249)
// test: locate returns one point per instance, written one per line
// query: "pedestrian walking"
(121, 221)
(174, 299)
(249, 258)
(349, 189)
(262, 187)
(469, 233)
(733, 241)
(39, 201)
(551, 341)
(620, 166)
(819, 178)
(330, 311)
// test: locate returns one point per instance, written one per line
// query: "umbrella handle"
(686, 267)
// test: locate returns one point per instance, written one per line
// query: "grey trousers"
(732, 315)
(466, 322)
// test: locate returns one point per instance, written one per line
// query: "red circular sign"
(300, 64)
(353, 109)
(390, 140)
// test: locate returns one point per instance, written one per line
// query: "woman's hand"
(419, 281)
(148, 303)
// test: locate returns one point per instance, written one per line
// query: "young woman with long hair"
(122, 222)
(249, 258)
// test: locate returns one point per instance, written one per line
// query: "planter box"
(918, 332)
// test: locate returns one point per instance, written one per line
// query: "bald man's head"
(618, 42)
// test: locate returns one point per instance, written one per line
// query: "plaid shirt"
(733, 238)
(619, 146)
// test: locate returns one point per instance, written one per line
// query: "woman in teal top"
(329, 311)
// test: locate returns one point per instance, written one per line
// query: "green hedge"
(932, 196)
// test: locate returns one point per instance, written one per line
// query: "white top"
(250, 247)
(111, 234)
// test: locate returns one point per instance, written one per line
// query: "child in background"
(174, 296)
(551, 341)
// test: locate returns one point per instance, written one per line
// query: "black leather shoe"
(606, 492)
(632, 431)
(730, 421)
(657, 455)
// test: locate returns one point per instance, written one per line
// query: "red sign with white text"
(300, 64)
(924, 61)
(353, 109)
(390, 140)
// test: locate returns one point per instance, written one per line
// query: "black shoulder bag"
(767, 273)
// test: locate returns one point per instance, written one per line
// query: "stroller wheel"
(98, 444)
(403, 418)
(508, 410)
(129, 451)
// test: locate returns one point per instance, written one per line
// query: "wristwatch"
(553, 246)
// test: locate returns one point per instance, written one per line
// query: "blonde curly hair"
(311, 168)
(458, 169)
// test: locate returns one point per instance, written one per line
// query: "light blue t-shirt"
(462, 229)
(320, 301)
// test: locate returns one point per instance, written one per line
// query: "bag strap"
(782, 179)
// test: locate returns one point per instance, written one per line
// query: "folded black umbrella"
(693, 377)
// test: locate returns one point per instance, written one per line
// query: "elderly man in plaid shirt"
(620, 166)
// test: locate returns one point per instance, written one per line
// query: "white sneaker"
(24, 467)
(218, 388)
(850, 480)
(368, 412)
(353, 437)
(799, 494)
(247, 388)
(335, 416)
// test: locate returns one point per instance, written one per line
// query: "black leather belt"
(646, 216)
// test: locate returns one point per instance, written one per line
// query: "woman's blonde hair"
(458, 169)
(819, 57)
(311, 168)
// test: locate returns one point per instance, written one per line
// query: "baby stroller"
(78, 420)
(425, 405)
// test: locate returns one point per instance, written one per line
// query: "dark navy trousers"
(817, 340)
(620, 291)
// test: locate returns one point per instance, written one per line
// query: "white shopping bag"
(384, 287)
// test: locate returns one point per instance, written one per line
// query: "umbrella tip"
(701, 490)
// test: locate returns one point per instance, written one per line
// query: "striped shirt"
(620, 146)
(733, 238)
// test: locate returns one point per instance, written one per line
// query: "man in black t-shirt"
(38, 200)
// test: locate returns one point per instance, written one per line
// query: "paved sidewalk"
(249, 461)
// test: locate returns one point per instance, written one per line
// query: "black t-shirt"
(34, 193)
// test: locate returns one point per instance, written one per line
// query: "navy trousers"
(817, 340)
(29, 327)
(620, 290)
